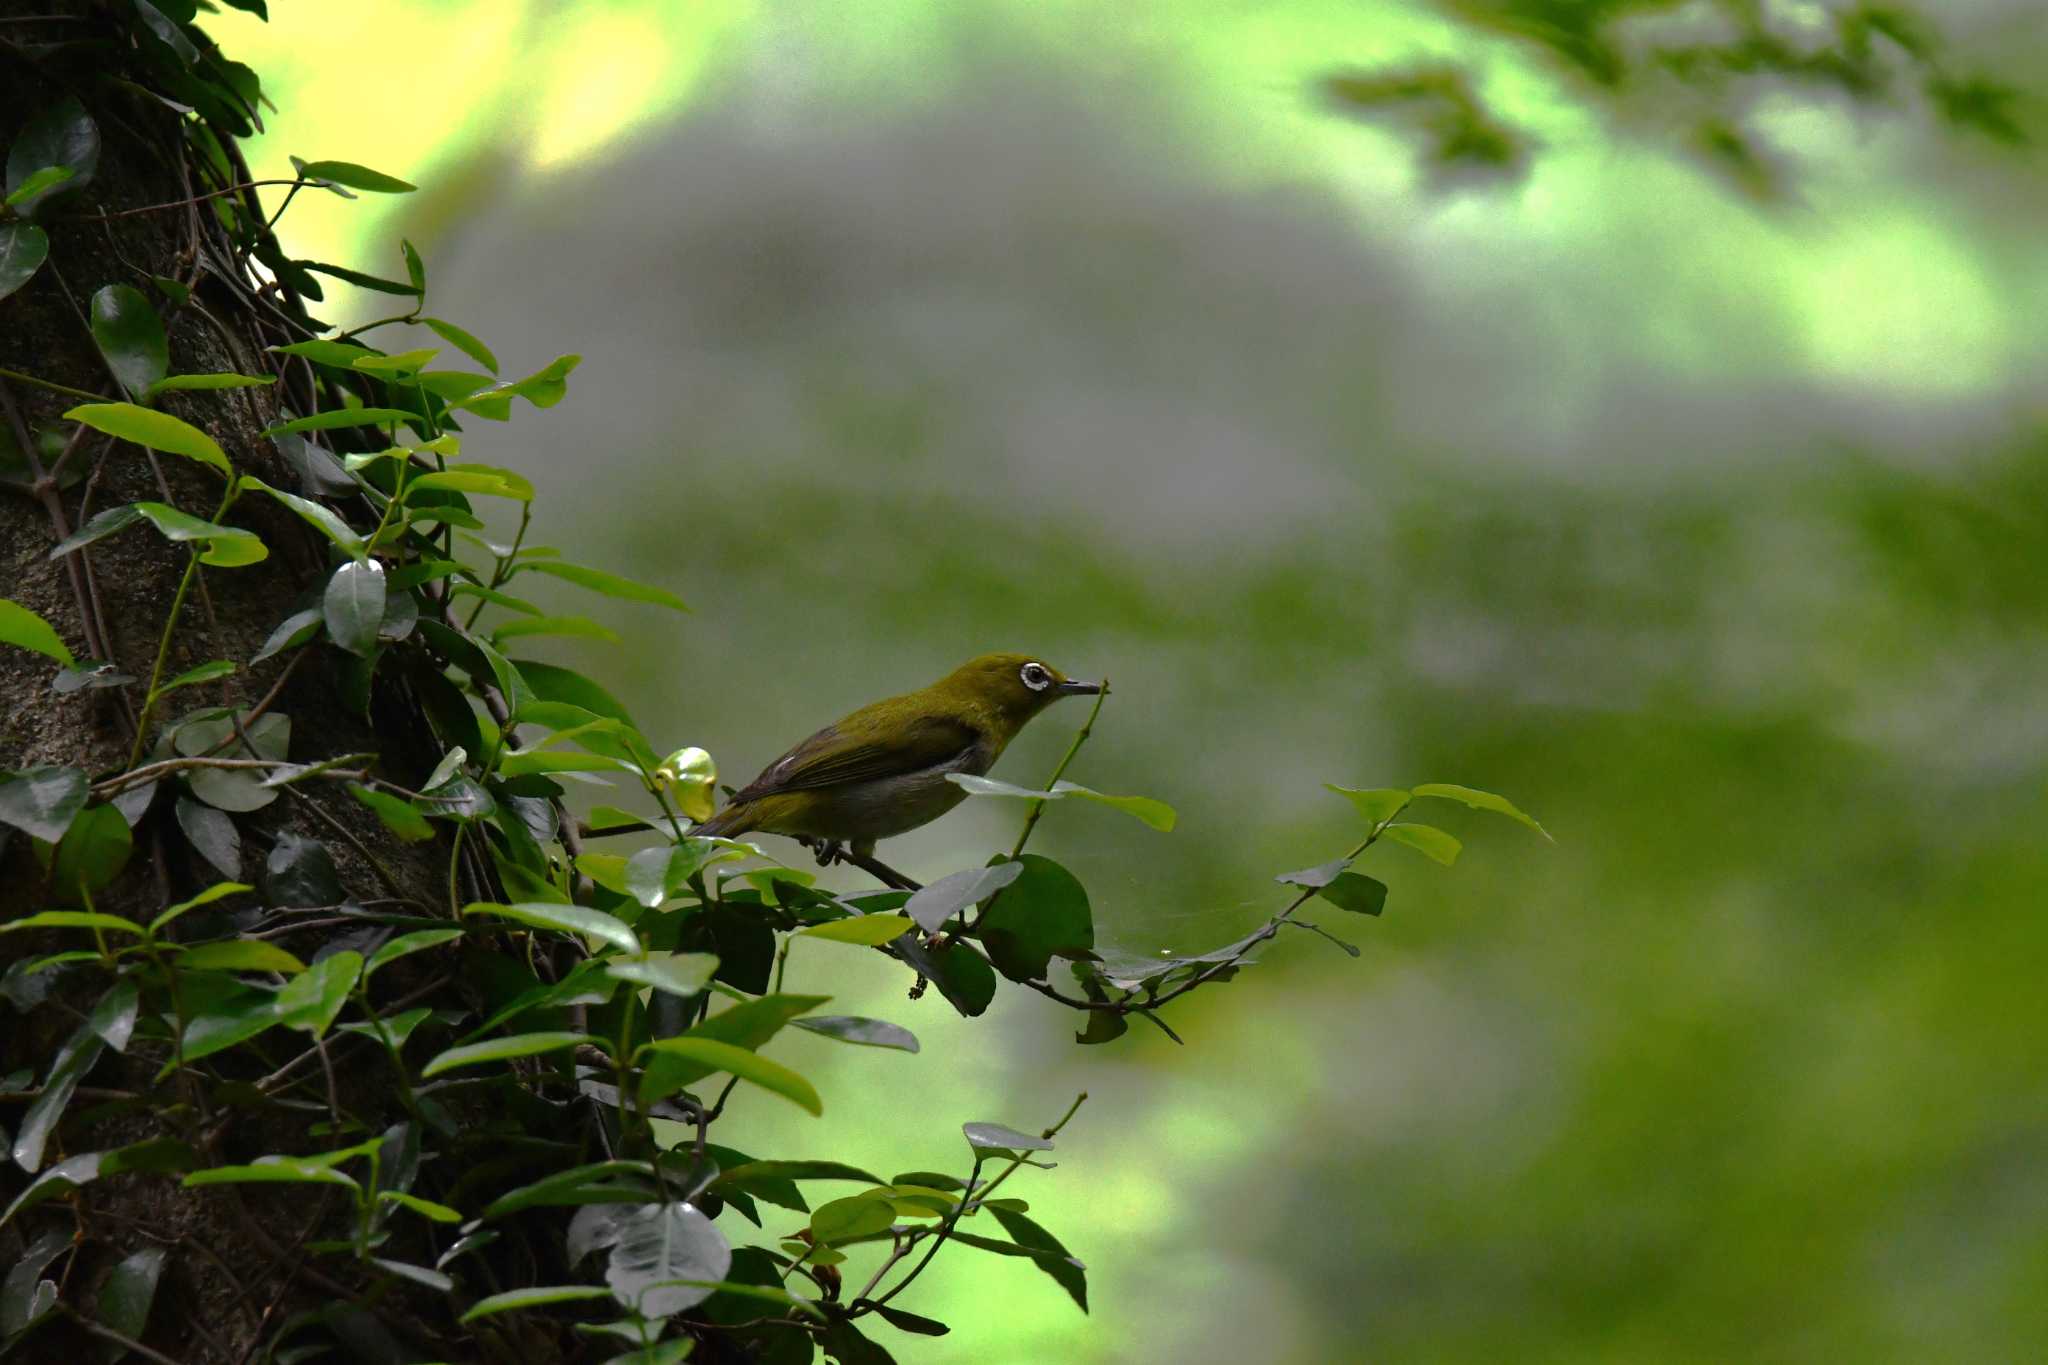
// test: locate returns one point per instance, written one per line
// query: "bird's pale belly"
(861, 812)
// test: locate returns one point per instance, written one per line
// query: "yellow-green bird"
(883, 770)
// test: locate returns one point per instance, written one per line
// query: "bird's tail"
(730, 821)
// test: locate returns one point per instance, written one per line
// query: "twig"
(103, 215)
(126, 1343)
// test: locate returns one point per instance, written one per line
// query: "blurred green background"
(1712, 534)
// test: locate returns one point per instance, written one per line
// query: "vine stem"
(163, 644)
(1080, 738)
(50, 384)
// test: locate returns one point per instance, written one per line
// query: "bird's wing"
(840, 753)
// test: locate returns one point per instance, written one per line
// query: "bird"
(883, 770)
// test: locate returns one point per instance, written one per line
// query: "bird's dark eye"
(1036, 677)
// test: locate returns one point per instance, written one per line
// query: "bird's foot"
(827, 851)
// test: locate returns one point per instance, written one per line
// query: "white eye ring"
(1035, 677)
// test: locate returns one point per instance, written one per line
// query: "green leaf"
(578, 627)
(406, 944)
(398, 815)
(42, 802)
(1377, 804)
(415, 268)
(572, 919)
(180, 383)
(23, 249)
(240, 955)
(1353, 891)
(1479, 800)
(359, 278)
(323, 519)
(463, 342)
(938, 902)
(47, 178)
(869, 931)
(130, 337)
(20, 626)
(748, 1066)
(962, 975)
(299, 873)
(61, 135)
(666, 1259)
(146, 427)
(1427, 839)
(994, 1137)
(849, 1028)
(72, 919)
(355, 177)
(74, 1060)
(1043, 914)
(851, 1218)
(92, 854)
(272, 1170)
(211, 894)
(543, 388)
(203, 673)
(597, 580)
(231, 1015)
(113, 1018)
(312, 1000)
(537, 1296)
(228, 547)
(1054, 1259)
(340, 417)
(425, 1208)
(102, 524)
(291, 632)
(340, 355)
(747, 1026)
(684, 974)
(475, 478)
(401, 365)
(127, 1295)
(501, 1049)
(353, 605)
(1157, 814)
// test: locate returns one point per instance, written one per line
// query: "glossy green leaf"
(1157, 814)
(42, 802)
(575, 627)
(867, 930)
(202, 673)
(1360, 894)
(472, 478)
(1479, 800)
(406, 944)
(130, 336)
(23, 249)
(851, 1218)
(665, 1260)
(609, 584)
(353, 605)
(358, 278)
(995, 1137)
(293, 631)
(22, 627)
(849, 1028)
(462, 341)
(1377, 804)
(341, 355)
(938, 902)
(240, 955)
(683, 974)
(63, 134)
(502, 1049)
(426, 1208)
(74, 1060)
(340, 417)
(272, 1170)
(127, 1295)
(537, 1296)
(217, 891)
(401, 365)
(181, 383)
(1427, 839)
(93, 852)
(227, 547)
(355, 177)
(543, 388)
(322, 518)
(1054, 1259)
(147, 427)
(573, 919)
(49, 177)
(398, 815)
(299, 873)
(748, 1066)
(227, 1017)
(72, 919)
(1042, 915)
(313, 1000)
(747, 1025)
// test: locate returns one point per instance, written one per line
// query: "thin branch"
(103, 215)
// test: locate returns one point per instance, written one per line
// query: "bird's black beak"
(1073, 687)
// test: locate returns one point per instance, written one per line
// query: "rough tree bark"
(232, 1274)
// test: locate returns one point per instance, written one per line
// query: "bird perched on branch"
(883, 770)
